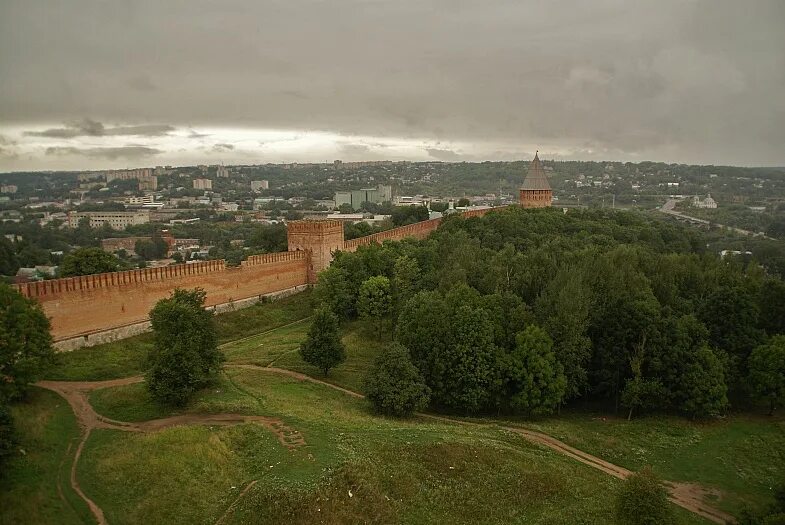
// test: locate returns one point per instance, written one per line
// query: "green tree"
(234, 258)
(394, 386)
(88, 261)
(643, 500)
(7, 437)
(640, 392)
(563, 309)
(25, 343)
(322, 347)
(703, 383)
(9, 264)
(374, 301)
(423, 329)
(335, 290)
(467, 367)
(772, 306)
(535, 380)
(767, 372)
(462, 202)
(155, 248)
(731, 315)
(185, 356)
(405, 281)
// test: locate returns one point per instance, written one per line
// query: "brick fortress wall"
(80, 308)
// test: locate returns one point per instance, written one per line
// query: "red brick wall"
(91, 303)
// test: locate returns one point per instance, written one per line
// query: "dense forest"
(523, 311)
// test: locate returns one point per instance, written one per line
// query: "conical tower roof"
(536, 178)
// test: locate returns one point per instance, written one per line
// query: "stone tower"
(322, 238)
(536, 191)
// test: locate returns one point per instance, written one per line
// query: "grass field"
(354, 467)
(743, 456)
(31, 487)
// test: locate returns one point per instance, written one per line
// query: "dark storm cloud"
(222, 147)
(91, 128)
(698, 80)
(110, 153)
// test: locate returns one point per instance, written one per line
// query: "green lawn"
(397, 471)
(279, 349)
(743, 456)
(35, 487)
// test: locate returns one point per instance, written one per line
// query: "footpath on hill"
(688, 496)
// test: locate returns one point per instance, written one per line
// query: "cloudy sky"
(90, 84)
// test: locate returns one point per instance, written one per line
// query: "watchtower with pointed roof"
(536, 190)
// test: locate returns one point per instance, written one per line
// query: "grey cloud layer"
(700, 80)
(111, 153)
(91, 128)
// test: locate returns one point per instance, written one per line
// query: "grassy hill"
(353, 467)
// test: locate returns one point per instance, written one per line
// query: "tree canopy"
(25, 343)
(185, 356)
(394, 386)
(637, 312)
(88, 261)
(322, 347)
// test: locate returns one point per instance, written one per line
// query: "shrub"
(185, 356)
(394, 386)
(643, 501)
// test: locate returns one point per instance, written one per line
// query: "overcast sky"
(98, 84)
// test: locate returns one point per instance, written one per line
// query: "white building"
(117, 220)
(223, 171)
(203, 184)
(708, 202)
(259, 185)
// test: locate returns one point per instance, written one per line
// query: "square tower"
(322, 238)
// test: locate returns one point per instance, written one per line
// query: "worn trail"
(689, 496)
(76, 393)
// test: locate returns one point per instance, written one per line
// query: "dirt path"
(689, 496)
(234, 503)
(77, 392)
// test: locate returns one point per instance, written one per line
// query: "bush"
(323, 347)
(643, 501)
(394, 386)
(185, 356)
